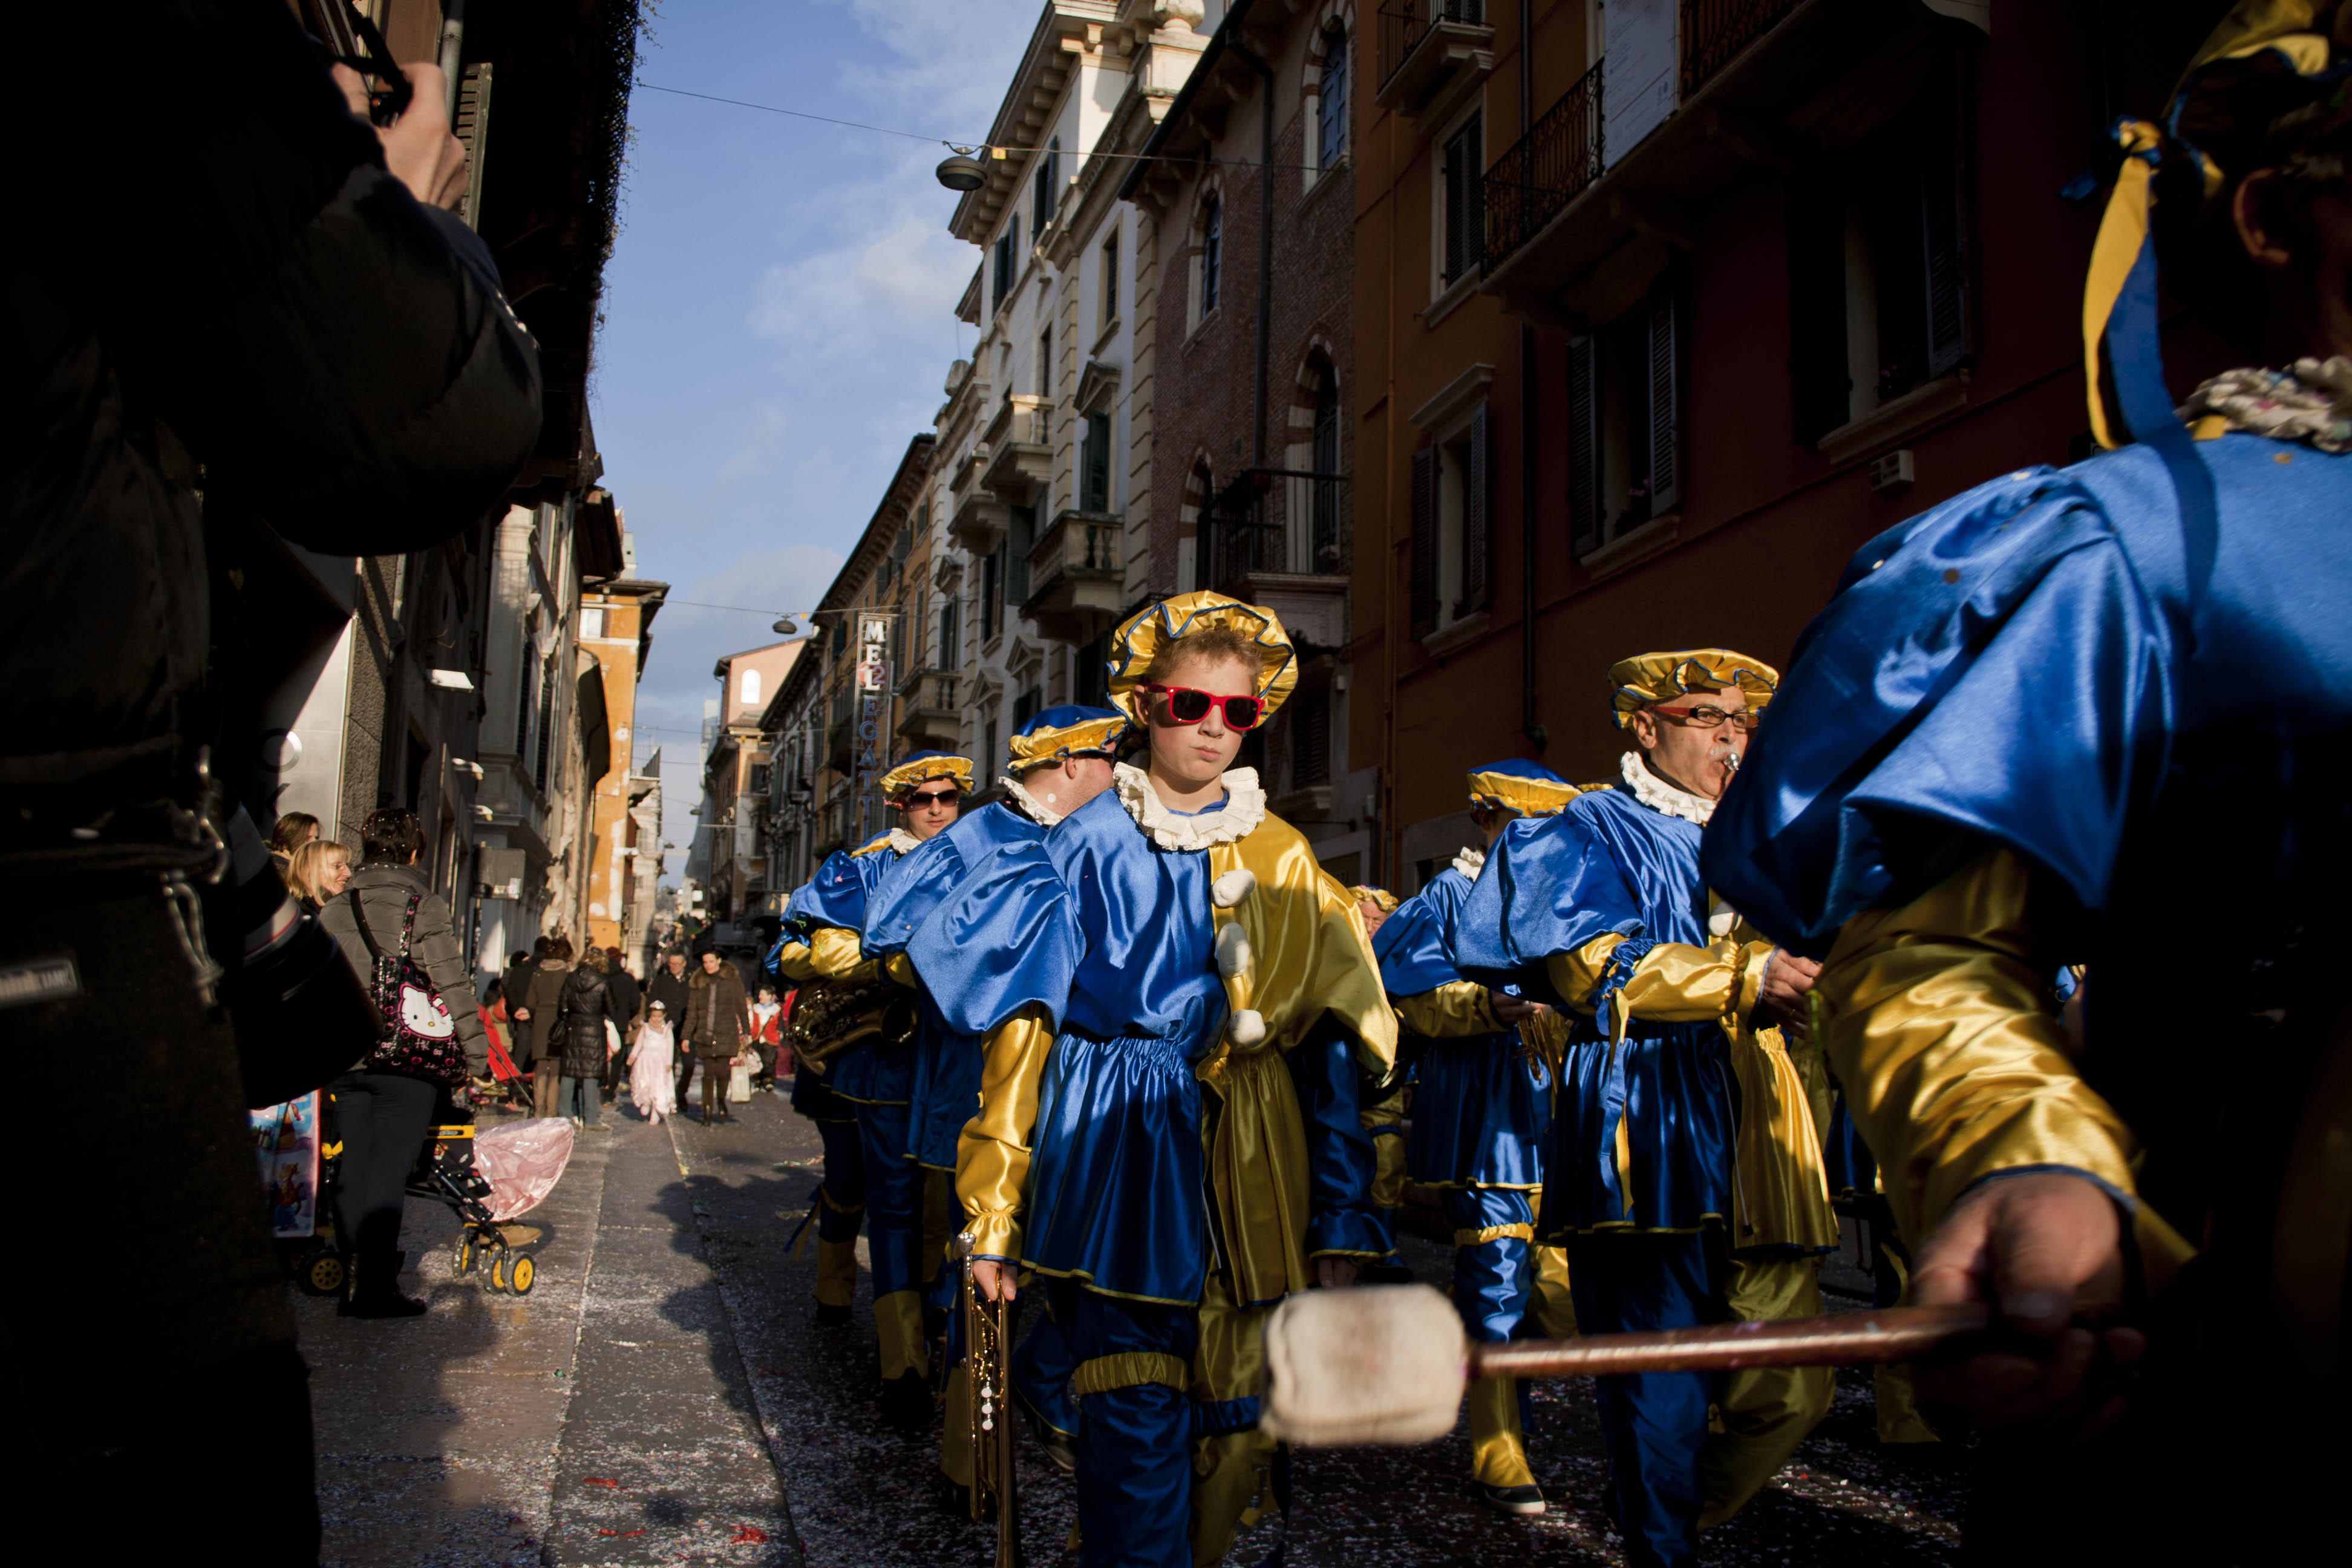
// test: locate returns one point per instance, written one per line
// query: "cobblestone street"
(662, 1396)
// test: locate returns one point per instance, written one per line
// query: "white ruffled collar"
(1244, 810)
(1037, 810)
(901, 841)
(1659, 796)
(1470, 862)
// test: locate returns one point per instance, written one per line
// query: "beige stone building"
(616, 632)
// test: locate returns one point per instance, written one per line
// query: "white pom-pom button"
(1246, 1029)
(1722, 922)
(1232, 887)
(1233, 949)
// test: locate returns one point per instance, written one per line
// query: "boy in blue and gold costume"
(1177, 1001)
(1056, 763)
(1481, 1115)
(2103, 715)
(1685, 1174)
(824, 924)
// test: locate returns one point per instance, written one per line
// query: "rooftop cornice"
(1068, 28)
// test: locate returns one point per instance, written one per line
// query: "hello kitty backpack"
(420, 1037)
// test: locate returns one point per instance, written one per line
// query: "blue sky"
(779, 310)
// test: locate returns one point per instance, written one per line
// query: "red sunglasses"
(1190, 705)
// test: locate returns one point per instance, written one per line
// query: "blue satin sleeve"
(836, 895)
(1551, 884)
(1340, 1159)
(1412, 942)
(1995, 667)
(1004, 940)
(921, 880)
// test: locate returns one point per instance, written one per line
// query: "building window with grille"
(1331, 103)
(1624, 422)
(1461, 176)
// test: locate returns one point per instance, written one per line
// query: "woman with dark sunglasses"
(1170, 959)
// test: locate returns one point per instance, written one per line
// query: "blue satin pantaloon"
(1135, 1444)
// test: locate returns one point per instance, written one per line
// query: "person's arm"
(437, 951)
(1667, 982)
(993, 1151)
(1455, 1011)
(1341, 1229)
(835, 954)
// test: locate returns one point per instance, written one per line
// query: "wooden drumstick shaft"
(1838, 1339)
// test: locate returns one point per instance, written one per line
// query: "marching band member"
(826, 920)
(1176, 1000)
(2101, 715)
(1686, 1174)
(1481, 1116)
(1057, 761)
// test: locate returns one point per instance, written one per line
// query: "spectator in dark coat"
(668, 987)
(718, 1022)
(581, 1017)
(251, 285)
(382, 1116)
(626, 1000)
(540, 1004)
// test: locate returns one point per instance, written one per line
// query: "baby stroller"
(487, 1178)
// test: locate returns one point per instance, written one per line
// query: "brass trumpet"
(988, 1408)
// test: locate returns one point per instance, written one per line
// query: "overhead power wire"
(971, 148)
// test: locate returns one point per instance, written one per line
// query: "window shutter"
(1456, 195)
(1424, 544)
(1310, 737)
(1820, 388)
(1097, 463)
(1477, 513)
(1583, 449)
(1944, 243)
(1665, 407)
(473, 133)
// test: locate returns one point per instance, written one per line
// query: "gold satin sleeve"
(1546, 1034)
(1451, 1012)
(1675, 982)
(1953, 1067)
(792, 962)
(901, 968)
(835, 954)
(993, 1152)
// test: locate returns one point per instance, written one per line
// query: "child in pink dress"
(652, 1089)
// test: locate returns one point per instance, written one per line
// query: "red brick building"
(1664, 307)
(1251, 181)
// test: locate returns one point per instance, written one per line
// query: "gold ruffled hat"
(1650, 678)
(1380, 896)
(924, 766)
(1134, 644)
(1066, 731)
(1528, 788)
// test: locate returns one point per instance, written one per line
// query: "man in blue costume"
(2101, 716)
(823, 926)
(1686, 1174)
(1481, 1115)
(1057, 761)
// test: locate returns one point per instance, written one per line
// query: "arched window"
(1212, 240)
(1331, 105)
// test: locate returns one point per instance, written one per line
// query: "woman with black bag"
(580, 1036)
(398, 936)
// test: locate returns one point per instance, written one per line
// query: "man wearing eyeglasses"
(1684, 1174)
(870, 1087)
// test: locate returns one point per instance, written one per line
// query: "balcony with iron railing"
(927, 714)
(1020, 442)
(1075, 576)
(1433, 53)
(1245, 546)
(1567, 208)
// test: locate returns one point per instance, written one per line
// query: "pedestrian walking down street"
(382, 1106)
(628, 1001)
(718, 1021)
(583, 1018)
(651, 1088)
(539, 1006)
(668, 987)
(767, 1039)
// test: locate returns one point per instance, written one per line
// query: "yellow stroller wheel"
(322, 1275)
(498, 1276)
(521, 1273)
